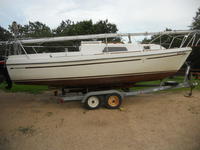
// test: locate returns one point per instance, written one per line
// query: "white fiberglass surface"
(77, 56)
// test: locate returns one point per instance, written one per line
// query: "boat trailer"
(112, 98)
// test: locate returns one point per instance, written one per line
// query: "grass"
(177, 79)
(26, 130)
(34, 89)
(49, 114)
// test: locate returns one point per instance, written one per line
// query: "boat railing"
(185, 40)
(18, 49)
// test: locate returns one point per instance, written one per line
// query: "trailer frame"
(101, 97)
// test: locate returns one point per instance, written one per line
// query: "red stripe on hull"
(2, 62)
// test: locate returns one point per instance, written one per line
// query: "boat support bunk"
(112, 99)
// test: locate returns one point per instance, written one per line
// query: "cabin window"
(114, 49)
(146, 47)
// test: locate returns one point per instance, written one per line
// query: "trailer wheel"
(93, 102)
(113, 101)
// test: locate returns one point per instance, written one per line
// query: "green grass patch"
(34, 89)
(177, 79)
(28, 130)
(49, 114)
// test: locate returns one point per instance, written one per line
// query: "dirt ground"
(161, 121)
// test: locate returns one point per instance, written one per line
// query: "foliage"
(68, 27)
(85, 27)
(27, 130)
(34, 89)
(178, 79)
(196, 21)
(195, 55)
(4, 34)
(194, 58)
(33, 29)
(103, 26)
(164, 40)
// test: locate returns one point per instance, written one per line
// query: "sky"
(128, 15)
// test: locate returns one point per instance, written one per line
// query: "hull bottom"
(102, 81)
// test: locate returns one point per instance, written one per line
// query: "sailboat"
(98, 63)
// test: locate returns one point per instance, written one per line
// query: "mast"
(101, 36)
(16, 45)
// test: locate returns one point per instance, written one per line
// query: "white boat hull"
(96, 70)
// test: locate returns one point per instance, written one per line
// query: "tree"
(196, 21)
(4, 34)
(195, 55)
(68, 27)
(63, 28)
(33, 29)
(103, 26)
(164, 40)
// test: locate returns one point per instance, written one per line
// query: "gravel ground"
(161, 121)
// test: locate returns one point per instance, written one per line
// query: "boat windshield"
(114, 49)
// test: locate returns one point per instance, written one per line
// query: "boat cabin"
(98, 47)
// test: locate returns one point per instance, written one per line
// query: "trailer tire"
(93, 102)
(113, 101)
